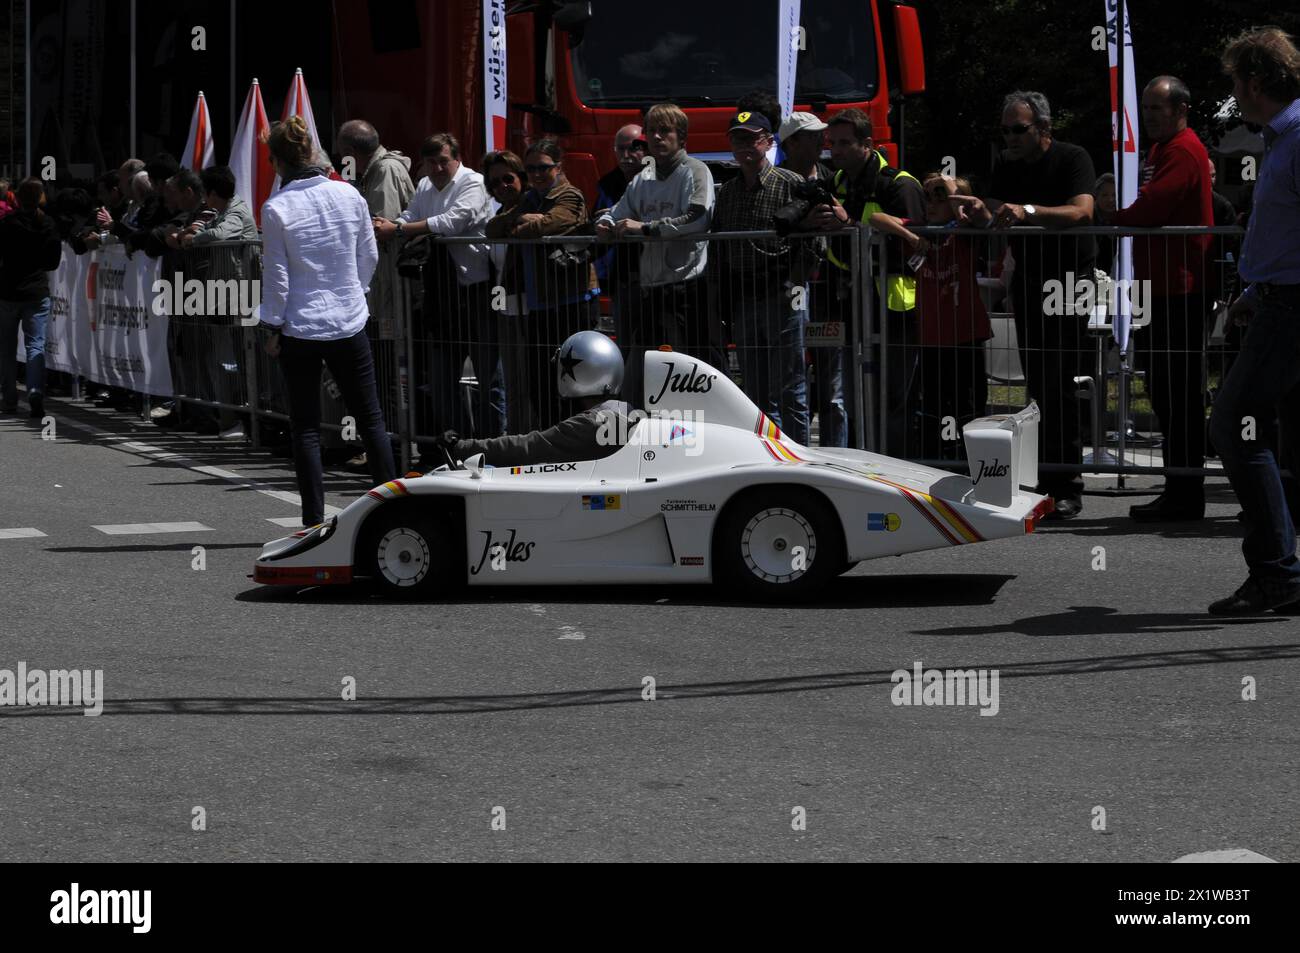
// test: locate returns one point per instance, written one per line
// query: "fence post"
(865, 360)
(402, 346)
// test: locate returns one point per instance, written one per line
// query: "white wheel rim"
(768, 545)
(403, 557)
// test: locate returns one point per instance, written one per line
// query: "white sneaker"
(159, 412)
(234, 433)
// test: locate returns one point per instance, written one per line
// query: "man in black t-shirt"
(1040, 181)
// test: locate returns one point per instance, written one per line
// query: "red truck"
(580, 70)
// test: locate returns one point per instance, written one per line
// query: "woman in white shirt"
(318, 255)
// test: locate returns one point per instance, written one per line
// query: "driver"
(590, 370)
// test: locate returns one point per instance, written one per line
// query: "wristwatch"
(1030, 210)
(646, 229)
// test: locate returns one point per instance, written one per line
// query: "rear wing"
(1003, 455)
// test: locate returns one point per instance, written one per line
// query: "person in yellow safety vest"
(864, 184)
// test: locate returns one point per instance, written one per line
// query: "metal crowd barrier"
(768, 310)
(1002, 316)
(816, 330)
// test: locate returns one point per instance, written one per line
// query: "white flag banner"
(199, 151)
(1124, 147)
(250, 159)
(494, 74)
(298, 103)
(789, 39)
(128, 346)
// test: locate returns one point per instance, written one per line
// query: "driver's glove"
(448, 439)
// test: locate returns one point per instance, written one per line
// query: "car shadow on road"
(846, 592)
(632, 695)
(1223, 526)
(1104, 620)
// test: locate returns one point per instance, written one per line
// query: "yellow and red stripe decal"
(780, 452)
(391, 489)
(954, 527)
(766, 428)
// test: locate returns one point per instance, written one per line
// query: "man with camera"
(802, 135)
(866, 183)
(760, 280)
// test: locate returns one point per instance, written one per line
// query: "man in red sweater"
(1175, 190)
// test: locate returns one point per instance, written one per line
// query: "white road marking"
(147, 450)
(537, 609)
(287, 521)
(1236, 855)
(569, 632)
(20, 532)
(142, 529)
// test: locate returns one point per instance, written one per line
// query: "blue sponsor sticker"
(883, 522)
(611, 502)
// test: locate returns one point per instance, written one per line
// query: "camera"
(805, 196)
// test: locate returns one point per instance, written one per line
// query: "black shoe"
(1256, 598)
(1167, 509)
(36, 406)
(1067, 508)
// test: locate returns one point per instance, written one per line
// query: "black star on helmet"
(569, 362)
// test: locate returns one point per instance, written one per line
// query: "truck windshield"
(698, 53)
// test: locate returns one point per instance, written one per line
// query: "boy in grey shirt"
(671, 197)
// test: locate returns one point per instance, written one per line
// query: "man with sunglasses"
(616, 268)
(1043, 181)
(630, 148)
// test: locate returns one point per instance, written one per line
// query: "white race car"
(705, 489)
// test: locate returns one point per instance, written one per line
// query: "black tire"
(848, 567)
(407, 552)
(754, 544)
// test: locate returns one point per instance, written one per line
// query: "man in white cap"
(802, 135)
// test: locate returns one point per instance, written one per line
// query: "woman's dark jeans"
(350, 362)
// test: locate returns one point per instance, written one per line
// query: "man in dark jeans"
(1042, 181)
(1266, 375)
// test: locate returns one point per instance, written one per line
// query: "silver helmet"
(589, 365)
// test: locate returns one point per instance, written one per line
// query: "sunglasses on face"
(637, 145)
(540, 168)
(1019, 129)
(501, 180)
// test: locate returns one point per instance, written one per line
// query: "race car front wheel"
(779, 544)
(404, 553)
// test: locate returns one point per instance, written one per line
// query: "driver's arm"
(585, 436)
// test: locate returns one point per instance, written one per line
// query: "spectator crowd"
(509, 259)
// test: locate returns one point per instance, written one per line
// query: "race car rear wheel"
(779, 544)
(405, 553)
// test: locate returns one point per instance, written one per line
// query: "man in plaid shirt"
(760, 279)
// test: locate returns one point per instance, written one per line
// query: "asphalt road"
(1115, 691)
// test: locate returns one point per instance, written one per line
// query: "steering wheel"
(452, 462)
